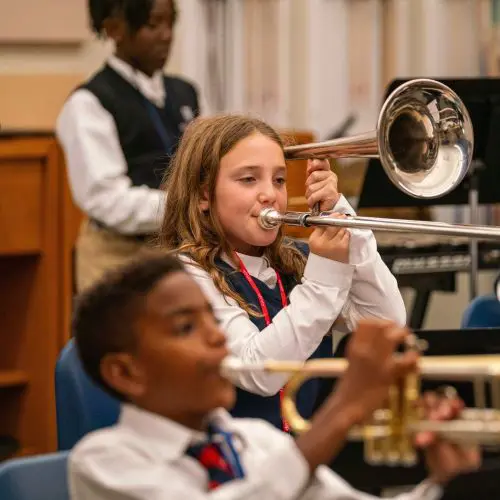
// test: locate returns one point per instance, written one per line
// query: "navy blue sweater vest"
(138, 122)
(312, 392)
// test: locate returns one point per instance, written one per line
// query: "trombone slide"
(270, 218)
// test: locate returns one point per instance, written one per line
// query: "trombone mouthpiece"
(269, 218)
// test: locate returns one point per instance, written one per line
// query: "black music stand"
(481, 97)
(482, 484)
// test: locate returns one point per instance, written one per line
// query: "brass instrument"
(388, 436)
(424, 139)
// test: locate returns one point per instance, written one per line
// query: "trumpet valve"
(375, 447)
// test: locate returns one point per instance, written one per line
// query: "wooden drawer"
(21, 209)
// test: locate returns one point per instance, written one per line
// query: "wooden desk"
(34, 299)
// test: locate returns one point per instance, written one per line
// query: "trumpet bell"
(425, 138)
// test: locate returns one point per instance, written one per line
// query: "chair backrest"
(81, 406)
(42, 477)
(483, 311)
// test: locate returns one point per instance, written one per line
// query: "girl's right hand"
(331, 242)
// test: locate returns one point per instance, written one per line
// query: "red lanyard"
(265, 312)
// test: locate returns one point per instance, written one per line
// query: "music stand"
(481, 186)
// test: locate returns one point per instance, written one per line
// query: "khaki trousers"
(100, 250)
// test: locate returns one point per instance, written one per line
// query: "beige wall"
(299, 51)
(35, 79)
(54, 69)
(44, 59)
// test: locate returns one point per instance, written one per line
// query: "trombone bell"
(388, 435)
(424, 139)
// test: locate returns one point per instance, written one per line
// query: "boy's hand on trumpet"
(373, 368)
(363, 388)
(445, 460)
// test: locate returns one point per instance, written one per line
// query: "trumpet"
(387, 436)
(424, 139)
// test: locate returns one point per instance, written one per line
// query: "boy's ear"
(121, 372)
(115, 28)
(204, 203)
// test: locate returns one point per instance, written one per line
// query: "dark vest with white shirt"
(148, 135)
(312, 393)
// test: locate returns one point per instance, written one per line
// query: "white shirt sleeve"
(295, 332)
(97, 169)
(374, 290)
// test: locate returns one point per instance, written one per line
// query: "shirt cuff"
(427, 490)
(343, 206)
(328, 272)
(290, 472)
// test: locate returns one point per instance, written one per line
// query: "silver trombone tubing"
(270, 219)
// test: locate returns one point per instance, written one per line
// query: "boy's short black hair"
(135, 12)
(106, 315)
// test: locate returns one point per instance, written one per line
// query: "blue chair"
(81, 406)
(482, 312)
(42, 477)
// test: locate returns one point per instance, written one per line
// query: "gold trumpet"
(388, 435)
(424, 139)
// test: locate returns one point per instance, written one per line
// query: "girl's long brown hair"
(193, 171)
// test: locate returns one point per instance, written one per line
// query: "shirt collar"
(170, 438)
(153, 88)
(255, 265)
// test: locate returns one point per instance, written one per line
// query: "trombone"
(388, 435)
(424, 139)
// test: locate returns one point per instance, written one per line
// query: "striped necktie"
(211, 457)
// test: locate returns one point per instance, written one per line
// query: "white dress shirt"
(143, 458)
(329, 290)
(96, 165)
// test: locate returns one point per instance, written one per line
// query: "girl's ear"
(204, 203)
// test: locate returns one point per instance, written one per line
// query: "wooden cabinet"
(296, 180)
(35, 286)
